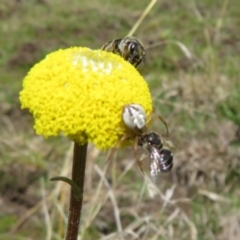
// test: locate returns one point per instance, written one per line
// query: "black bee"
(161, 158)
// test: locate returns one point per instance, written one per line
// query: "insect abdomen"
(165, 160)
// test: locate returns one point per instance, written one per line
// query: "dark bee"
(130, 48)
(161, 158)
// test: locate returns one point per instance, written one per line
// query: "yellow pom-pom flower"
(81, 92)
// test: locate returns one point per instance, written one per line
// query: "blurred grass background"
(194, 78)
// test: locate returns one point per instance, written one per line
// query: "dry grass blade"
(192, 226)
(172, 216)
(130, 229)
(109, 237)
(213, 196)
(113, 200)
(182, 47)
(130, 164)
(46, 212)
(196, 11)
(61, 212)
(144, 14)
(93, 153)
(144, 230)
(220, 21)
(152, 189)
(94, 205)
(160, 231)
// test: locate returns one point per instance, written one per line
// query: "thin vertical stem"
(78, 174)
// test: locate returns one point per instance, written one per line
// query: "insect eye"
(132, 47)
(134, 116)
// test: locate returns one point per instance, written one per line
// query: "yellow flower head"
(81, 93)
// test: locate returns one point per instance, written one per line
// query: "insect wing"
(154, 163)
(160, 161)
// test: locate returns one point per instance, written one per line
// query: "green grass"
(198, 97)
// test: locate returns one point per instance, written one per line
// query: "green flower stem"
(78, 174)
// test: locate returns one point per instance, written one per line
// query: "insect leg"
(136, 154)
(113, 150)
(162, 120)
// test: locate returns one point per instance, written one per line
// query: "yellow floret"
(81, 93)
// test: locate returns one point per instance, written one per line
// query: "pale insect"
(161, 158)
(130, 48)
(134, 118)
